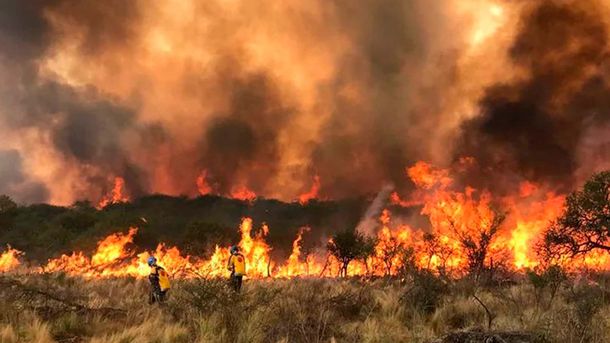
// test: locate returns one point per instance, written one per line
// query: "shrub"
(426, 292)
(549, 280)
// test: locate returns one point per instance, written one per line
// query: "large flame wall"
(454, 212)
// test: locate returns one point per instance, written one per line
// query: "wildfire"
(116, 195)
(296, 265)
(110, 252)
(202, 183)
(113, 258)
(395, 199)
(312, 193)
(255, 249)
(463, 222)
(9, 259)
(242, 193)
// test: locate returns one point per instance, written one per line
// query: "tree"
(8, 209)
(388, 251)
(476, 242)
(549, 279)
(76, 220)
(435, 249)
(585, 222)
(349, 245)
(7, 204)
(200, 236)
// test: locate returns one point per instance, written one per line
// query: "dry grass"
(300, 310)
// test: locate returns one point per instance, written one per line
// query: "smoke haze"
(267, 95)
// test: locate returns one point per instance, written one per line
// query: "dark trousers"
(236, 281)
(157, 296)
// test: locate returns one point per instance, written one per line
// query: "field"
(420, 308)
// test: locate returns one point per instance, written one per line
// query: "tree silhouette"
(349, 245)
(585, 223)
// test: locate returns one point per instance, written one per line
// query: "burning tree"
(388, 251)
(584, 225)
(437, 252)
(476, 241)
(349, 245)
(476, 236)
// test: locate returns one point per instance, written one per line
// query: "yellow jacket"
(158, 274)
(237, 264)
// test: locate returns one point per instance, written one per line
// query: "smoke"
(265, 96)
(237, 142)
(533, 128)
(370, 221)
(12, 180)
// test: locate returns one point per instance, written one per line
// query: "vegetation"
(414, 305)
(585, 223)
(55, 308)
(350, 245)
(194, 225)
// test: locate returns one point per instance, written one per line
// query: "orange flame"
(111, 251)
(312, 193)
(425, 176)
(202, 183)
(116, 195)
(296, 265)
(9, 260)
(255, 249)
(242, 193)
(454, 214)
(396, 200)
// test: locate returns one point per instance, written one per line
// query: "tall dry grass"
(56, 308)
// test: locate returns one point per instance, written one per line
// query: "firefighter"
(237, 267)
(159, 281)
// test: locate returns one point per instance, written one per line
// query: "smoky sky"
(363, 148)
(12, 180)
(83, 125)
(242, 144)
(234, 116)
(532, 128)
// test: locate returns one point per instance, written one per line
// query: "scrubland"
(421, 308)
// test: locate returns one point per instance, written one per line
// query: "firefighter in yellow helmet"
(237, 266)
(159, 281)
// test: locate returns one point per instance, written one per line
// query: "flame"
(255, 249)
(110, 252)
(202, 183)
(296, 265)
(112, 248)
(242, 192)
(312, 193)
(455, 215)
(9, 260)
(425, 176)
(395, 199)
(531, 212)
(113, 258)
(116, 195)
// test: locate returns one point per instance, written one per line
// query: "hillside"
(195, 225)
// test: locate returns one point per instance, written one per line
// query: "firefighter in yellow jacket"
(159, 281)
(237, 266)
